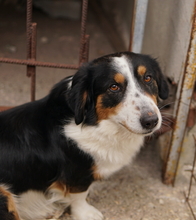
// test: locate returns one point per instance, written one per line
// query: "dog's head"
(123, 88)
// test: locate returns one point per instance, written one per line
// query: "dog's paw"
(86, 212)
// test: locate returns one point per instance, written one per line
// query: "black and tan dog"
(89, 126)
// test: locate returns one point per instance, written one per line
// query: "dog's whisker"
(161, 107)
(167, 113)
(168, 119)
(165, 124)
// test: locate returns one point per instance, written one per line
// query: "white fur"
(111, 145)
(70, 82)
(33, 205)
(81, 210)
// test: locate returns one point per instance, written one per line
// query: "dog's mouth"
(149, 132)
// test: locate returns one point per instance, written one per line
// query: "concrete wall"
(120, 14)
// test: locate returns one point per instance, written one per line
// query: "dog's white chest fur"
(111, 146)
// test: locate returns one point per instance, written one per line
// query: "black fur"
(34, 152)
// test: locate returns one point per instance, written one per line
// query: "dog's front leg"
(81, 210)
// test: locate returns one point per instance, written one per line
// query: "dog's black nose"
(149, 121)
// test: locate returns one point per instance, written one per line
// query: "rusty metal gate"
(32, 63)
(187, 87)
(31, 31)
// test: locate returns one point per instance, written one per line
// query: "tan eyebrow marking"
(141, 70)
(119, 78)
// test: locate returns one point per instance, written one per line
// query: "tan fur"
(104, 113)
(119, 78)
(84, 99)
(96, 175)
(137, 108)
(10, 202)
(150, 113)
(153, 97)
(58, 186)
(141, 70)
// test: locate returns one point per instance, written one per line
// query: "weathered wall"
(120, 14)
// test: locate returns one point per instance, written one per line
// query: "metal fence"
(32, 63)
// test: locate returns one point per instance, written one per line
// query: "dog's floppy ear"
(163, 88)
(161, 82)
(78, 96)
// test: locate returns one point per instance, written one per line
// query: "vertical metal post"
(28, 27)
(86, 50)
(132, 26)
(33, 57)
(84, 39)
(138, 25)
(31, 47)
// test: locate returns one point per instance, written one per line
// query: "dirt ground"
(134, 193)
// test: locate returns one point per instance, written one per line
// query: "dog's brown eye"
(114, 88)
(147, 78)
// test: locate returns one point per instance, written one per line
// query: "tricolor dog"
(88, 127)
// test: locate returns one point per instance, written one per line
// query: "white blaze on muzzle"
(138, 112)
